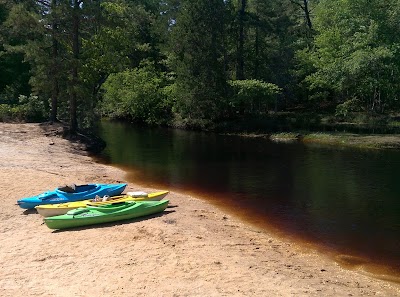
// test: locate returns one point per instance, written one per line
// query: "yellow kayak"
(49, 210)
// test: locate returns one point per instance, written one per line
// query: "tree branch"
(297, 3)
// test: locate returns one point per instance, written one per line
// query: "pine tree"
(198, 59)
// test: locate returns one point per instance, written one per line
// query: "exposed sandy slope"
(193, 249)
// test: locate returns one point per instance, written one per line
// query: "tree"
(269, 49)
(198, 59)
(305, 7)
(14, 75)
(252, 96)
(37, 25)
(138, 94)
(55, 61)
(240, 44)
(76, 17)
(356, 54)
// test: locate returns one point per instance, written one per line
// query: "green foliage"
(252, 96)
(270, 40)
(177, 58)
(197, 59)
(356, 54)
(5, 113)
(352, 105)
(14, 74)
(33, 108)
(140, 94)
(29, 109)
(123, 39)
(111, 36)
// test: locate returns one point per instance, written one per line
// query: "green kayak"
(106, 213)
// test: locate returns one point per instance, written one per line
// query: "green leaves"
(356, 56)
(138, 94)
(252, 95)
(178, 57)
(197, 59)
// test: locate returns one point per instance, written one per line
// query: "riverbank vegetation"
(238, 65)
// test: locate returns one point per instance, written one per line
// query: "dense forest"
(196, 63)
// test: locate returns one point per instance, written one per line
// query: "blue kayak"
(71, 193)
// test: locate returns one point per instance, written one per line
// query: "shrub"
(343, 109)
(252, 96)
(28, 109)
(140, 94)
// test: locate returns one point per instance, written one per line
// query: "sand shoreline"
(193, 249)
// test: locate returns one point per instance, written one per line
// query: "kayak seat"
(68, 188)
(77, 211)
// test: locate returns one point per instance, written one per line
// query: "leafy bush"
(5, 112)
(252, 96)
(352, 105)
(28, 109)
(33, 108)
(140, 94)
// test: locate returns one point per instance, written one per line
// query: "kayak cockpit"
(75, 189)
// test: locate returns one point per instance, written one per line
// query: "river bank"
(357, 129)
(193, 249)
(370, 141)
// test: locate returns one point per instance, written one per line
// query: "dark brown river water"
(343, 201)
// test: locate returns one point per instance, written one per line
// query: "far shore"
(193, 249)
(339, 139)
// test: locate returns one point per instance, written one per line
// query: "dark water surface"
(343, 200)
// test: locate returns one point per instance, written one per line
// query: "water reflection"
(344, 199)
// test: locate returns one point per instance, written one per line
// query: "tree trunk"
(306, 10)
(257, 51)
(73, 124)
(55, 70)
(307, 14)
(240, 53)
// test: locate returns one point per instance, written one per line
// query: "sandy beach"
(192, 249)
